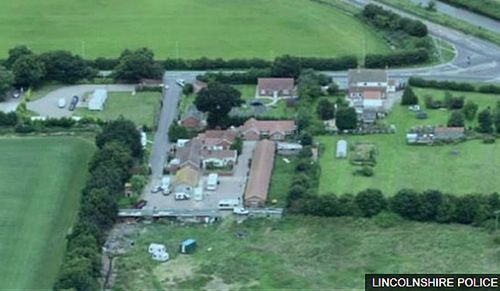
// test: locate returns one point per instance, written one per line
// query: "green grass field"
(141, 108)
(302, 253)
(39, 194)
(186, 28)
(418, 167)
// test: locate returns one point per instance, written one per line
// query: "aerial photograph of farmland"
(249, 145)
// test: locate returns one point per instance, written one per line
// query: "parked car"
(16, 94)
(181, 196)
(156, 189)
(74, 102)
(165, 192)
(61, 103)
(180, 82)
(140, 204)
(240, 210)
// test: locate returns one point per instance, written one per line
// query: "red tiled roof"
(275, 84)
(449, 129)
(372, 94)
(270, 126)
(208, 154)
(214, 137)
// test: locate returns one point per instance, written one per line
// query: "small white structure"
(181, 143)
(411, 138)
(212, 181)
(341, 149)
(98, 99)
(144, 139)
(156, 248)
(158, 252)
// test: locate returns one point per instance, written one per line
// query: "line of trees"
(388, 20)
(430, 205)
(118, 145)
(456, 86)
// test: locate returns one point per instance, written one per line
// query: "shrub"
(370, 202)
(365, 171)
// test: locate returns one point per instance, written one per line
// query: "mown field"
(141, 108)
(463, 168)
(303, 253)
(39, 193)
(186, 28)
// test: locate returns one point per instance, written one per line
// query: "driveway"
(47, 105)
(10, 105)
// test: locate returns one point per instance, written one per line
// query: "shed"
(98, 99)
(341, 149)
(188, 246)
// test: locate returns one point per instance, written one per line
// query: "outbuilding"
(341, 149)
(98, 99)
(188, 246)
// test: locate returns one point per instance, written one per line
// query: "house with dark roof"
(188, 156)
(275, 87)
(257, 187)
(254, 129)
(193, 118)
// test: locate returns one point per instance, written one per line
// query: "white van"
(165, 185)
(228, 204)
(212, 181)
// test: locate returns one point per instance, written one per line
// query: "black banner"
(379, 282)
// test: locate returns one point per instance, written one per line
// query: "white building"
(98, 99)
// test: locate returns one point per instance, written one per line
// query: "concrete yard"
(230, 187)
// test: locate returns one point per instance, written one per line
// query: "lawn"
(281, 178)
(186, 28)
(302, 253)
(418, 167)
(39, 194)
(141, 108)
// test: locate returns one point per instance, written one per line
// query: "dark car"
(140, 204)
(74, 102)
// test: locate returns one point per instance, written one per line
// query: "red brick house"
(218, 139)
(283, 87)
(273, 129)
(193, 118)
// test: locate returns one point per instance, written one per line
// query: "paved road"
(168, 113)
(462, 14)
(47, 106)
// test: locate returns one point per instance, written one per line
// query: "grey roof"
(193, 112)
(367, 75)
(190, 153)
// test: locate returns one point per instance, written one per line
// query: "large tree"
(496, 120)
(121, 131)
(217, 100)
(485, 122)
(346, 118)
(470, 110)
(409, 97)
(6, 82)
(135, 65)
(65, 67)
(325, 109)
(456, 119)
(15, 53)
(309, 84)
(28, 71)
